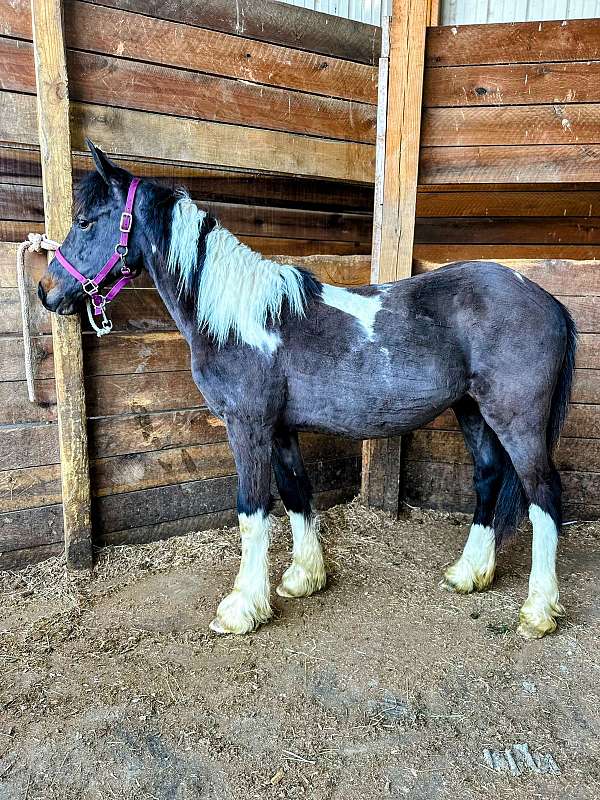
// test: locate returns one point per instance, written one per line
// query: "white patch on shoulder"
(519, 276)
(363, 309)
(154, 249)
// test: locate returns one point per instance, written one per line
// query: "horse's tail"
(511, 506)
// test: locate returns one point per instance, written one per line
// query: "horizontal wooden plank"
(24, 557)
(268, 21)
(449, 447)
(560, 82)
(33, 527)
(96, 78)
(575, 123)
(22, 202)
(14, 231)
(554, 40)
(13, 360)
(137, 433)
(163, 504)
(508, 230)
(164, 530)
(16, 408)
(449, 486)
(503, 164)
(497, 203)
(142, 134)
(105, 30)
(117, 394)
(21, 166)
(28, 446)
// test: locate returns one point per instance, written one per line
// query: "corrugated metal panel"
(462, 12)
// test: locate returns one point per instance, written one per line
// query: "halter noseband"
(91, 286)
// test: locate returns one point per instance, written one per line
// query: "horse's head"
(99, 202)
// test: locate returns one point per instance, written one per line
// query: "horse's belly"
(365, 407)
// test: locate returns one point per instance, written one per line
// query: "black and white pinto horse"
(275, 352)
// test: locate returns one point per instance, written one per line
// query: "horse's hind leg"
(474, 570)
(542, 485)
(248, 605)
(524, 439)
(306, 573)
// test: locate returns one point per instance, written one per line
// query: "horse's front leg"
(306, 573)
(248, 605)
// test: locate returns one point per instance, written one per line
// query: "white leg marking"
(247, 606)
(306, 573)
(474, 570)
(539, 612)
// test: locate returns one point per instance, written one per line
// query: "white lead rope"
(35, 243)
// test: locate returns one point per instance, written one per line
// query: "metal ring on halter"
(122, 251)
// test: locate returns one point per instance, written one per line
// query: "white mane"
(239, 291)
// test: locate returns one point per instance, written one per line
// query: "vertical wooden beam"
(393, 259)
(55, 151)
(434, 12)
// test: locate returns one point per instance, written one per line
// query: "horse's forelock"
(91, 191)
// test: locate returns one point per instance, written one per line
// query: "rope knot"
(39, 242)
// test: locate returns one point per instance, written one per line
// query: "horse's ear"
(103, 164)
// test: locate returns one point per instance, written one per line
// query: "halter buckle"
(90, 288)
(125, 222)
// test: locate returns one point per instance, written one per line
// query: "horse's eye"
(84, 224)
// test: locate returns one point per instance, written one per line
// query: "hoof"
(462, 578)
(237, 614)
(538, 617)
(297, 582)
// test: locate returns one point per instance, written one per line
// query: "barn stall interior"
(279, 142)
(493, 153)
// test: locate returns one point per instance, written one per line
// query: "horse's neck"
(181, 309)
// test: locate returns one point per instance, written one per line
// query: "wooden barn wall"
(273, 132)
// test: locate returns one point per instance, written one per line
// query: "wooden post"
(55, 151)
(394, 243)
(434, 12)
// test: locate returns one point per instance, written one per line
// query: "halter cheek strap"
(97, 302)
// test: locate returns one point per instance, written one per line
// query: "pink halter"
(91, 286)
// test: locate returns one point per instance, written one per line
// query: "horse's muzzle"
(52, 301)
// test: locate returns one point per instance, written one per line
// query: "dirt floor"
(381, 686)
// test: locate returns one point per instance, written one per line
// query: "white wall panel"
(462, 12)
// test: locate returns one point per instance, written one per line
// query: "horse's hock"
(285, 158)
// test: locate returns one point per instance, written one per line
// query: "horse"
(274, 351)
